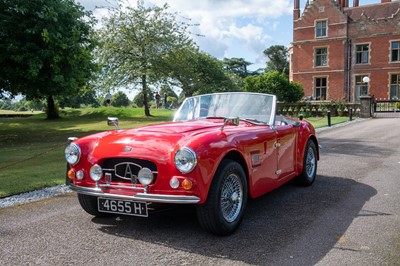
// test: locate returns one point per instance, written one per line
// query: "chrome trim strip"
(121, 187)
(158, 198)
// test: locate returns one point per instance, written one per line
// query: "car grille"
(125, 170)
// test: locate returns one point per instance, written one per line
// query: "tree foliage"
(198, 73)
(237, 66)
(120, 99)
(275, 83)
(45, 49)
(138, 100)
(136, 41)
(278, 56)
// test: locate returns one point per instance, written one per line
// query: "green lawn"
(323, 121)
(32, 148)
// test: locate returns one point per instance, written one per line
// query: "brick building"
(341, 52)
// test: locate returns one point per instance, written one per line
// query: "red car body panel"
(269, 156)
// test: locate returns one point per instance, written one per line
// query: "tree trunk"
(52, 112)
(145, 100)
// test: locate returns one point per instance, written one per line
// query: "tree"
(237, 66)
(86, 96)
(136, 41)
(198, 72)
(278, 56)
(120, 100)
(45, 49)
(138, 100)
(275, 83)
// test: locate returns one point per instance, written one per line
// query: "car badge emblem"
(127, 149)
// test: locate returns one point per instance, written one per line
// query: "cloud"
(231, 28)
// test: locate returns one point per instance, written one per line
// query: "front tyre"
(307, 176)
(223, 211)
(68, 181)
(90, 205)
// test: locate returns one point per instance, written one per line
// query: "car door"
(286, 142)
(263, 159)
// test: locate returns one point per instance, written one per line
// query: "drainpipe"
(349, 55)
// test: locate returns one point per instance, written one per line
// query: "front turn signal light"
(71, 174)
(187, 184)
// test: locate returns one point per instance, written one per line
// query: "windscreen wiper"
(254, 121)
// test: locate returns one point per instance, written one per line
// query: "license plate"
(123, 207)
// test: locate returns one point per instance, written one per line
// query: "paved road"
(349, 217)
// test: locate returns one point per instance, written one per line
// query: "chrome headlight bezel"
(72, 153)
(185, 160)
(96, 172)
(145, 176)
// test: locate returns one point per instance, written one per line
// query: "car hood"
(149, 142)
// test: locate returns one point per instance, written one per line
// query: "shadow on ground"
(291, 225)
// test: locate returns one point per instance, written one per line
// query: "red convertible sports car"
(220, 150)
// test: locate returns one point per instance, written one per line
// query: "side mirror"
(113, 121)
(234, 121)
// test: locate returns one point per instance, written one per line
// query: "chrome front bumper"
(146, 197)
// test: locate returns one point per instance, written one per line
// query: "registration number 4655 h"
(126, 207)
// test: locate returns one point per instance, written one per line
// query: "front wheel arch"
(223, 210)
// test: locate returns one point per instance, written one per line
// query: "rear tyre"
(307, 176)
(223, 211)
(89, 204)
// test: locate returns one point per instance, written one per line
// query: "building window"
(362, 54)
(321, 29)
(395, 86)
(320, 88)
(321, 57)
(395, 51)
(361, 87)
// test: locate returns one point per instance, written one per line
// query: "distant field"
(32, 148)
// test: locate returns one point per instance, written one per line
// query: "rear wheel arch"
(314, 139)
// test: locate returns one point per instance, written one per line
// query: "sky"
(232, 28)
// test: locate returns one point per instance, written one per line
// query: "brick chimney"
(355, 3)
(345, 3)
(296, 10)
(386, 1)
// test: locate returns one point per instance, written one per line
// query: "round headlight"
(185, 160)
(72, 153)
(145, 176)
(96, 172)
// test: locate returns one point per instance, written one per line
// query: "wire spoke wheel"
(310, 162)
(307, 176)
(231, 197)
(223, 211)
